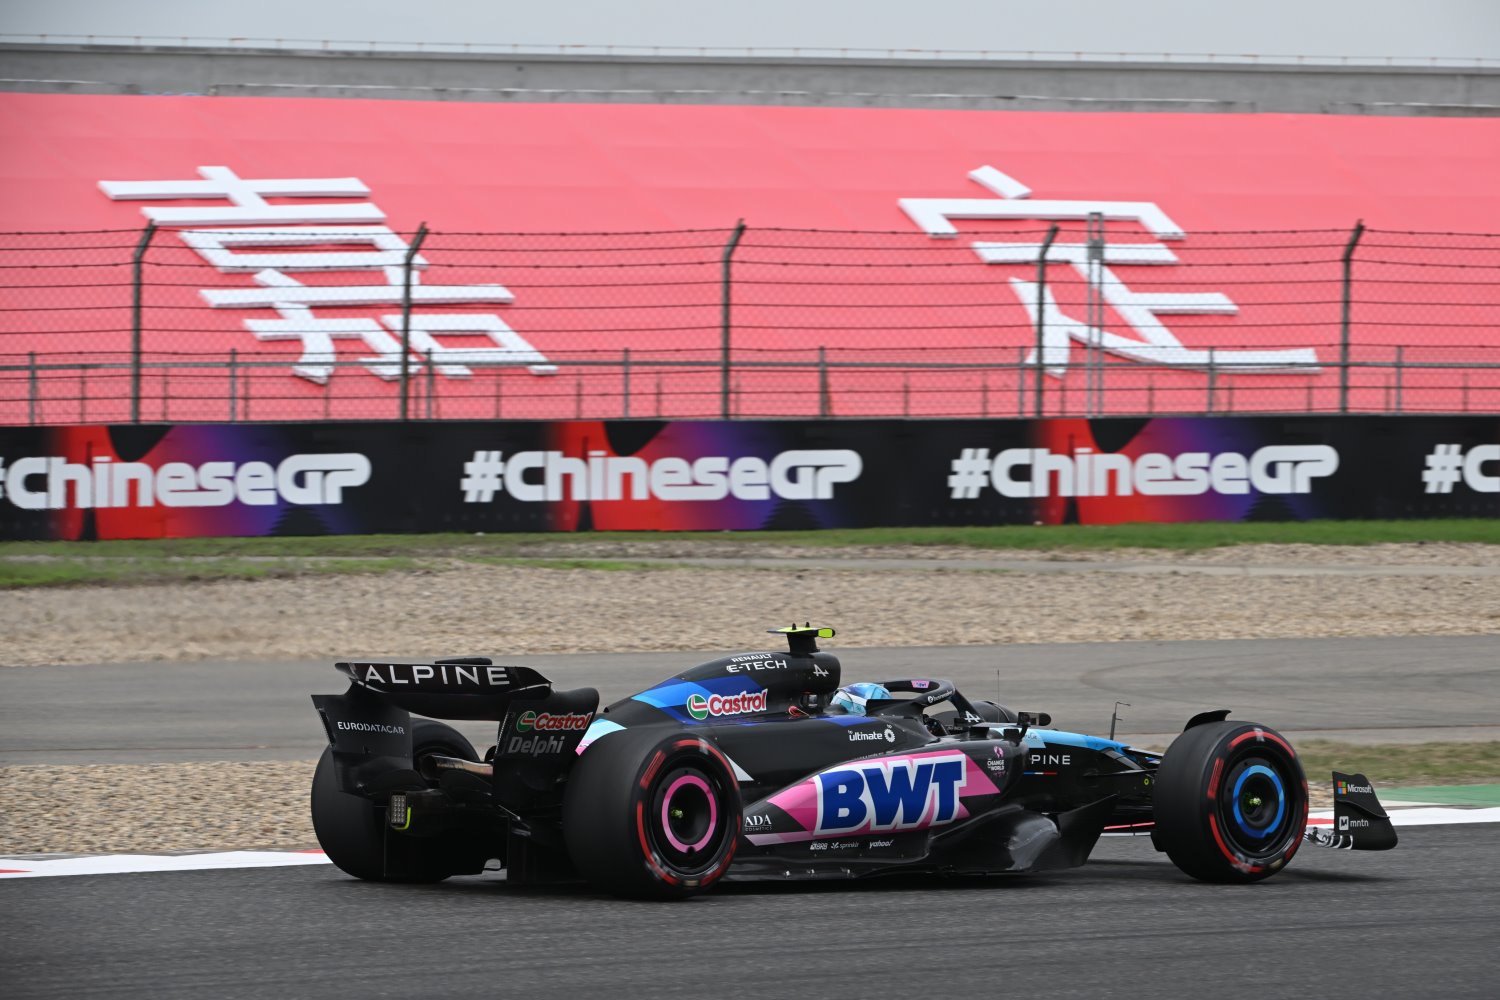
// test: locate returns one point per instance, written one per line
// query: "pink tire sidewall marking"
(713, 814)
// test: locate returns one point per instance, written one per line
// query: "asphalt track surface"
(1419, 921)
(1388, 690)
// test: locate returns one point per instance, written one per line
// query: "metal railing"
(45, 389)
(749, 51)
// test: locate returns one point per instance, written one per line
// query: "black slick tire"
(352, 829)
(1230, 802)
(652, 814)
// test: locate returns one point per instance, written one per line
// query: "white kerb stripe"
(114, 864)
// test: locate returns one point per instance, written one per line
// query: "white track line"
(115, 864)
(1429, 816)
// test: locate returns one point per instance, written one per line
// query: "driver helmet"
(852, 697)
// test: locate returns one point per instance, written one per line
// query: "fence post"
(234, 378)
(1020, 381)
(31, 390)
(1041, 311)
(1093, 372)
(1345, 309)
(625, 389)
(724, 318)
(1213, 373)
(825, 405)
(137, 301)
(431, 383)
(406, 267)
(1400, 371)
(1103, 371)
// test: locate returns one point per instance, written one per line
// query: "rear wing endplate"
(463, 687)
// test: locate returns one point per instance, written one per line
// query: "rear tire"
(1230, 802)
(652, 815)
(352, 830)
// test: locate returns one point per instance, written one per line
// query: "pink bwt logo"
(903, 793)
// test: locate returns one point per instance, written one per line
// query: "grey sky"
(1446, 29)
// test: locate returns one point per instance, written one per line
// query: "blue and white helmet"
(852, 697)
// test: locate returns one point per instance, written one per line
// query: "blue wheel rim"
(1259, 832)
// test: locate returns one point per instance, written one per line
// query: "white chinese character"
(509, 349)
(278, 289)
(331, 226)
(213, 245)
(317, 337)
(1157, 343)
(250, 204)
(932, 214)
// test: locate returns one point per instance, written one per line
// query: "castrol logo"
(716, 706)
(545, 722)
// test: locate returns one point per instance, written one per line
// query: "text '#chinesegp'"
(551, 476)
(1040, 472)
(51, 482)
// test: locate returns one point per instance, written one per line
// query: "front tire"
(1230, 802)
(652, 815)
(352, 830)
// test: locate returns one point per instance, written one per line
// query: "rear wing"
(369, 726)
(460, 687)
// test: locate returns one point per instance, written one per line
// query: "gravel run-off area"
(513, 610)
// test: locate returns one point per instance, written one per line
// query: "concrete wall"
(1130, 86)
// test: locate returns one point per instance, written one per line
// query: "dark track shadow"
(1099, 874)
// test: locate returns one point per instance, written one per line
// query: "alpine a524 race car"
(746, 767)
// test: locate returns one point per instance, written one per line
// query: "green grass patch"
(53, 563)
(145, 570)
(1452, 795)
(1151, 536)
(1402, 764)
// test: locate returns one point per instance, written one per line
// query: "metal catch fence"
(299, 322)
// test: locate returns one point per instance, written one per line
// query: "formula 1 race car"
(745, 768)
